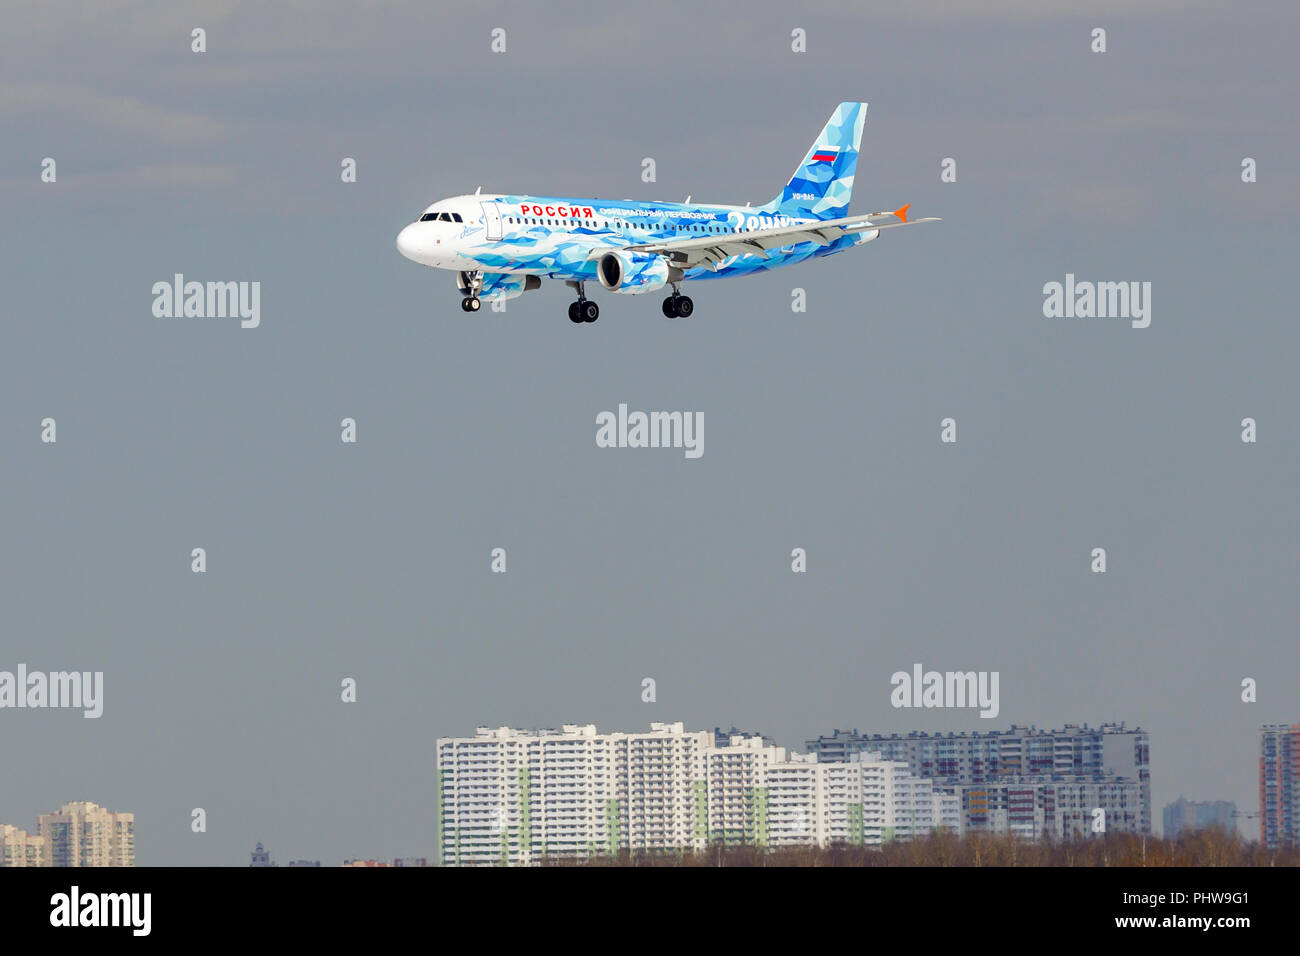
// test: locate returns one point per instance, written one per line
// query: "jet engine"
(633, 273)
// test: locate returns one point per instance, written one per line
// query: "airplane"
(501, 246)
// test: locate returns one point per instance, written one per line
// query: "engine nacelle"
(498, 285)
(633, 273)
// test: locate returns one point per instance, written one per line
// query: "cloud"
(125, 185)
(1023, 10)
(93, 110)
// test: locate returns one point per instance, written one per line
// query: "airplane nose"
(406, 243)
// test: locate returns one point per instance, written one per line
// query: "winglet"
(902, 213)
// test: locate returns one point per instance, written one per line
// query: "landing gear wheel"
(470, 304)
(670, 307)
(589, 311)
(684, 306)
(464, 304)
(574, 315)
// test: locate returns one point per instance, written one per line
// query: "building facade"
(1279, 785)
(20, 848)
(85, 834)
(1035, 783)
(1184, 816)
(513, 797)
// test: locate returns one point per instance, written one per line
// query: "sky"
(370, 561)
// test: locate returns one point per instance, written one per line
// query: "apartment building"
(85, 834)
(1279, 785)
(20, 848)
(1024, 780)
(511, 797)
(1185, 815)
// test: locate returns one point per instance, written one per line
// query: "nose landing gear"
(471, 284)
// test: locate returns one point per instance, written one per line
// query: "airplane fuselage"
(502, 246)
(562, 238)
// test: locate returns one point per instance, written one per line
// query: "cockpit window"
(455, 217)
(429, 217)
(441, 217)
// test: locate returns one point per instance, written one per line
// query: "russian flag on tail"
(824, 154)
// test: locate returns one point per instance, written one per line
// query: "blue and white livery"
(502, 246)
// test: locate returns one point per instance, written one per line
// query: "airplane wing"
(708, 251)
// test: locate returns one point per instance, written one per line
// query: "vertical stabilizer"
(820, 188)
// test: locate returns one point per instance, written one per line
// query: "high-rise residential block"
(20, 848)
(85, 834)
(1056, 783)
(513, 797)
(1184, 815)
(1279, 785)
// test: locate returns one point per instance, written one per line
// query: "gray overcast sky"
(371, 561)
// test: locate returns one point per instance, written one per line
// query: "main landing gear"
(584, 310)
(678, 306)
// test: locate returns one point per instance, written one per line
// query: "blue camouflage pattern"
(563, 238)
